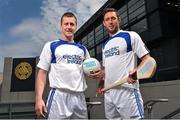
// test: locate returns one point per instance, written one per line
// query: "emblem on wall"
(23, 70)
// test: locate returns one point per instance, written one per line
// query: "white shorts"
(123, 103)
(66, 105)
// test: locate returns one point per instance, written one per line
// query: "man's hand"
(99, 75)
(99, 91)
(130, 80)
(40, 108)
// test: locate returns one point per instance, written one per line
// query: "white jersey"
(120, 54)
(63, 60)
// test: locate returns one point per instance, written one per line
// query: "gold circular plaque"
(23, 70)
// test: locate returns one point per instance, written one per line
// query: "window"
(99, 52)
(123, 13)
(132, 2)
(91, 39)
(136, 9)
(105, 33)
(84, 41)
(92, 52)
(141, 26)
(99, 49)
(99, 33)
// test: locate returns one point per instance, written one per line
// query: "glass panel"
(99, 49)
(136, 15)
(99, 52)
(141, 26)
(122, 9)
(92, 52)
(99, 33)
(135, 7)
(124, 21)
(123, 14)
(132, 2)
(84, 41)
(136, 10)
(91, 39)
(105, 33)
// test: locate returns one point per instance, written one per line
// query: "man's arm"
(99, 88)
(40, 107)
(99, 75)
(130, 79)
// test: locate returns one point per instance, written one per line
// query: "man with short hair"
(120, 53)
(62, 60)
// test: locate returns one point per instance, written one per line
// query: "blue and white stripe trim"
(139, 105)
(50, 99)
(124, 35)
(59, 42)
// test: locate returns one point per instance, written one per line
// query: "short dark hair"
(68, 14)
(106, 10)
